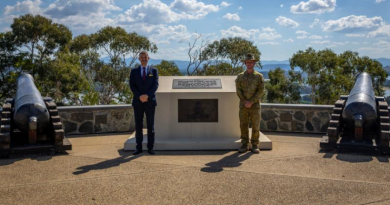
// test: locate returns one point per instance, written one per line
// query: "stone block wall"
(295, 117)
(97, 119)
(120, 118)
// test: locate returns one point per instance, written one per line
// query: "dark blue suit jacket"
(139, 87)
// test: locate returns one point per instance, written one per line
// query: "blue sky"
(278, 28)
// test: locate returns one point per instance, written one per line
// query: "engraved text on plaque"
(198, 110)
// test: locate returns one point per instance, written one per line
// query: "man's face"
(143, 58)
(250, 64)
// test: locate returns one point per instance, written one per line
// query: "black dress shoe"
(151, 152)
(137, 152)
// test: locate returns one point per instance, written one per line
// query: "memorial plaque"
(196, 84)
(198, 110)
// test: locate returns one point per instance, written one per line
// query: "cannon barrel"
(360, 108)
(30, 109)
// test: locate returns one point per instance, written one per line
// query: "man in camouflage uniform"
(250, 88)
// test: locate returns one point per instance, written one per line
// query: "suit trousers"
(139, 111)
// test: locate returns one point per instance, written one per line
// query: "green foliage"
(331, 75)
(63, 80)
(37, 46)
(220, 69)
(231, 49)
(109, 80)
(41, 37)
(168, 68)
(281, 89)
(8, 73)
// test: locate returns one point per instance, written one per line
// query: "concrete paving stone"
(98, 171)
(194, 186)
(370, 169)
(198, 158)
(53, 168)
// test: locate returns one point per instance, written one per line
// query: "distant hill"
(385, 61)
(267, 64)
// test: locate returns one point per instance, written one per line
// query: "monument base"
(196, 144)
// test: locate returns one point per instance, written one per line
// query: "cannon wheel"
(58, 132)
(384, 125)
(5, 130)
(330, 141)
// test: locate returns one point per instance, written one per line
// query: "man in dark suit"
(144, 84)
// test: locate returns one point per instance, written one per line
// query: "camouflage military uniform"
(250, 87)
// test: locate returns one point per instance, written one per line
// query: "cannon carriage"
(360, 121)
(30, 123)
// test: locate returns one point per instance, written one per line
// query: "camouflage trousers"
(250, 115)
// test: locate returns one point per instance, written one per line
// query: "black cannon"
(360, 121)
(30, 123)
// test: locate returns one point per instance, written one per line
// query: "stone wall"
(295, 117)
(119, 118)
(97, 119)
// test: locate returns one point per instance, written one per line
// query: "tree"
(8, 71)
(168, 68)
(41, 37)
(64, 80)
(220, 69)
(231, 49)
(281, 89)
(195, 54)
(109, 80)
(330, 75)
(38, 46)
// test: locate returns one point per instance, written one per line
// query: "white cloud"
(315, 37)
(340, 43)
(383, 44)
(232, 17)
(281, 5)
(316, 21)
(320, 42)
(290, 40)
(302, 34)
(156, 12)
(269, 34)
(225, 4)
(27, 6)
(355, 35)
(314, 6)
(236, 31)
(269, 43)
(350, 24)
(194, 7)
(165, 34)
(240, 8)
(375, 51)
(77, 14)
(66, 8)
(286, 22)
(379, 1)
(383, 31)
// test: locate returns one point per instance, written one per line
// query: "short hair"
(144, 52)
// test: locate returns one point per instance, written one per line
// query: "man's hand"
(248, 104)
(144, 98)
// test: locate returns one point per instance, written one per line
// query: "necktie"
(144, 74)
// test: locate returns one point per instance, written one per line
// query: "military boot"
(243, 148)
(255, 149)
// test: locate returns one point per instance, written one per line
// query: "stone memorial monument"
(197, 113)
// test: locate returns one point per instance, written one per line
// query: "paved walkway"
(97, 171)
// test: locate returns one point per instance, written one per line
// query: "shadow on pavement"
(38, 157)
(355, 157)
(124, 157)
(234, 160)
